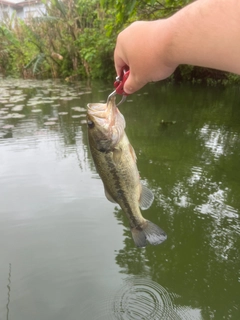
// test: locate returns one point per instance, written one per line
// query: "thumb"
(132, 84)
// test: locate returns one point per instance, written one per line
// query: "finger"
(132, 84)
(119, 62)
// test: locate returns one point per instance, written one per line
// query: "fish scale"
(115, 161)
(119, 178)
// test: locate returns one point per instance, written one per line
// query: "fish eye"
(90, 124)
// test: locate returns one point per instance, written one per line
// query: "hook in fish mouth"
(113, 94)
(122, 100)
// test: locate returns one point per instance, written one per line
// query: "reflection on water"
(70, 251)
(9, 290)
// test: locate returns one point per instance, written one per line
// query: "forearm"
(207, 33)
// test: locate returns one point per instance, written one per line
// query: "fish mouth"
(105, 122)
(103, 114)
(101, 109)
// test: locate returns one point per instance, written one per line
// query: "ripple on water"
(137, 299)
(142, 298)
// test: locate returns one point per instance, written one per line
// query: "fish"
(115, 162)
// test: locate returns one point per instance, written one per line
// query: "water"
(67, 253)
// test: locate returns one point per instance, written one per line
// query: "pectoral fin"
(117, 153)
(146, 198)
(108, 196)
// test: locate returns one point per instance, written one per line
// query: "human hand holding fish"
(115, 161)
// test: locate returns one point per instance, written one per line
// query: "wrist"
(165, 45)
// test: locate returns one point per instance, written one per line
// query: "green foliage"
(36, 63)
(142, 9)
(77, 38)
(82, 33)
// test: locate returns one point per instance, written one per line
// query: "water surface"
(67, 253)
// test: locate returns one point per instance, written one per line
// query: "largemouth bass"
(115, 161)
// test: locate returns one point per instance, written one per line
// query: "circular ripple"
(137, 299)
(142, 298)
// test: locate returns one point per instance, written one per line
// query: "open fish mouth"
(107, 118)
(97, 108)
(102, 110)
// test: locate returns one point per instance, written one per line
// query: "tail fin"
(148, 232)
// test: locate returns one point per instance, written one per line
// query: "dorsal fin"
(146, 198)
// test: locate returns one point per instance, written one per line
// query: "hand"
(138, 47)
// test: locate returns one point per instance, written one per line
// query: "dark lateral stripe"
(120, 192)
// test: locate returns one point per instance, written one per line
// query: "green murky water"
(67, 253)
